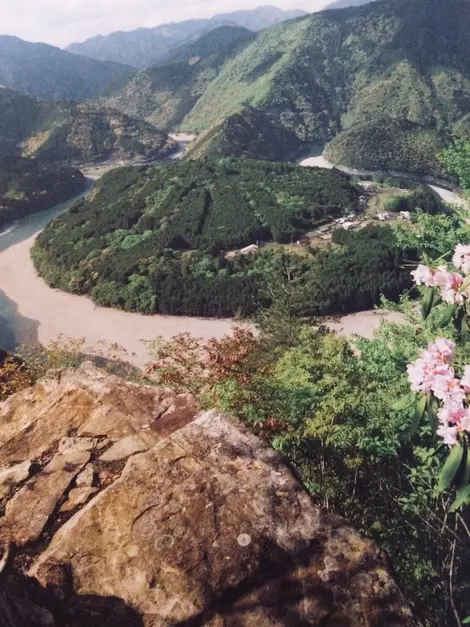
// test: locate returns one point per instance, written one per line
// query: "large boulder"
(188, 519)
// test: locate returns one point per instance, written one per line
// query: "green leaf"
(427, 302)
(419, 413)
(464, 330)
(466, 621)
(446, 314)
(432, 409)
(405, 401)
(462, 496)
(451, 467)
(463, 477)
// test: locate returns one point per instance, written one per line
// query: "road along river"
(446, 195)
(365, 322)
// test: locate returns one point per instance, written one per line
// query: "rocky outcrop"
(17, 606)
(162, 516)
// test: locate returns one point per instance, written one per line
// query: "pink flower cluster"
(450, 283)
(433, 374)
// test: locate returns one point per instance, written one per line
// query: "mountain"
(78, 133)
(222, 37)
(342, 4)
(165, 94)
(27, 186)
(52, 73)
(388, 82)
(145, 46)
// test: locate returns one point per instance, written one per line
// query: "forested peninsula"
(169, 239)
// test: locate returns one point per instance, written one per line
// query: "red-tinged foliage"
(188, 363)
(14, 376)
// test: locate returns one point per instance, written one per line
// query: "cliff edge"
(125, 505)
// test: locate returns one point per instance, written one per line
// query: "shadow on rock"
(24, 603)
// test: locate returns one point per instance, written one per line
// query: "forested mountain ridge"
(392, 68)
(146, 46)
(76, 133)
(165, 94)
(52, 73)
(27, 186)
(208, 44)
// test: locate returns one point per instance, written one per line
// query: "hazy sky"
(61, 22)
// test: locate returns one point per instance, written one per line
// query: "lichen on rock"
(198, 522)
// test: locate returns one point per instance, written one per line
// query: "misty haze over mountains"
(143, 47)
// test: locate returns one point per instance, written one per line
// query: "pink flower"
(448, 434)
(465, 421)
(461, 258)
(423, 276)
(451, 290)
(423, 372)
(465, 380)
(450, 419)
(441, 276)
(441, 349)
(454, 420)
(447, 388)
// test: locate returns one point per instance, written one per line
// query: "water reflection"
(16, 329)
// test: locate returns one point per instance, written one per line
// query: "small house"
(250, 250)
(383, 216)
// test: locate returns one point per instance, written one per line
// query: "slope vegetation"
(27, 186)
(392, 68)
(54, 74)
(79, 133)
(165, 94)
(154, 239)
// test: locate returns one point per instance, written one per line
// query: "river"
(32, 312)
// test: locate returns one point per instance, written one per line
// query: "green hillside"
(27, 186)
(396, 65)
(77, 133)
(208, 44)
(54, 74)
(164, 95)
(164, 239)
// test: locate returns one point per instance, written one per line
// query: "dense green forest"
(396, 70)
(74, 133)
(27, 186)
(54, 74)
(156, 240)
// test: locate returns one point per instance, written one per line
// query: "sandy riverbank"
(30, 311)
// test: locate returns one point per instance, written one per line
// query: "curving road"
(320, 162)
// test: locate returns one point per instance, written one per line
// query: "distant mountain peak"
(144, 47)
(49, 72)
